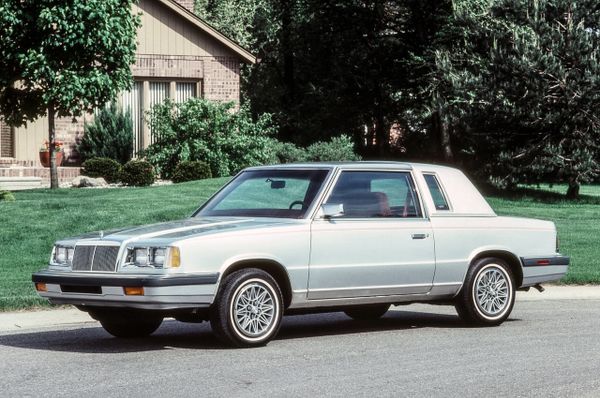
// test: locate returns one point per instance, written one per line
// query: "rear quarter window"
(437, 194)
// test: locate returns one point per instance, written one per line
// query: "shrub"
(190, 171)
(106, 168)
(7, 196)
(109, 135)
(286, 152)
(212, 132)
(337, 150)
(139, 173)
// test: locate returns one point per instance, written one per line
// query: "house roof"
(244, 54)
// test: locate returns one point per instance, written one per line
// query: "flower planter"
(45, 158)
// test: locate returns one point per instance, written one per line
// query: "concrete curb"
(30, 320)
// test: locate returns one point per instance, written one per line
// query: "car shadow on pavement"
(173, 334)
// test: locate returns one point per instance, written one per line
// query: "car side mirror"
(332, 210)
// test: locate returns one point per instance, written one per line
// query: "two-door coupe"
(353, 237)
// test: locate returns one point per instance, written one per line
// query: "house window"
(133, 101)
(150, 93)
(184, 91)
(6, 140)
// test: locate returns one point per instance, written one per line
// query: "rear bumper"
(160, 292)
(542, 269)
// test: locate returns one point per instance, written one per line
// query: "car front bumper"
(159, 292)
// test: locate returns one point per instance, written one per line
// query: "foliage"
(287, 152)
(337, 150)
(63, 58)
(522, 88)
(138, 173)
(191, 171)
(215, 133)
(106, 168)
(109, 135)
(7, 196)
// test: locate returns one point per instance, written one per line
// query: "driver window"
(366, 194)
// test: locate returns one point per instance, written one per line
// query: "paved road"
(547, 348)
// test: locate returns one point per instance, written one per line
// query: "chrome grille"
(95, 258)
(82, 258)
(105, 258)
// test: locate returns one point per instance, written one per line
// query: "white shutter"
(133, 101)
(159, 91)
(184, 91)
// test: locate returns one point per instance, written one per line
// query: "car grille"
(95, 258)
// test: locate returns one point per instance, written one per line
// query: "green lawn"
(32, 223)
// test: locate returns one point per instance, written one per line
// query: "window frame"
(336, 177)
(443, 191)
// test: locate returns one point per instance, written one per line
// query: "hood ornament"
(101, 234)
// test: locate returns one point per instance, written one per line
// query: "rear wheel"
(488, 295)
(367, 312)
(248, 309)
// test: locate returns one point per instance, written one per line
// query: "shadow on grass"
(174, 334)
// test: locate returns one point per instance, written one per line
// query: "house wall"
(170, 48)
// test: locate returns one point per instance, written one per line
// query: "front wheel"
(488, 295)
(248, 309)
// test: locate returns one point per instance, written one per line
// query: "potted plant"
(45, 153)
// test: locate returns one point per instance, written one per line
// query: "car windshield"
(286, 193)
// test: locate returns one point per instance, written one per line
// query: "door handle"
(419, 236)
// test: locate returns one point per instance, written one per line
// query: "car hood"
(177, 230)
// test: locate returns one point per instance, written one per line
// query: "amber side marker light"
(133, 291)
(41, 287)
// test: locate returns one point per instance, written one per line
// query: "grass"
(30, 225)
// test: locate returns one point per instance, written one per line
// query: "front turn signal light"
(174, 260)
(41, 287)
(133, 291)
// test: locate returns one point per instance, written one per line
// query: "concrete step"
(19, 183)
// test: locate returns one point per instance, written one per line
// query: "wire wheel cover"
(254, 309)
(492, 291)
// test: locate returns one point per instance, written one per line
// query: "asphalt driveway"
(549, 348)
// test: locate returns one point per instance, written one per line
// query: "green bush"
(191, 170)
(7, 196)
(106, 168)
(139, 173)
(109, 135)
(211, 132)
(339, 149)
(286, 152)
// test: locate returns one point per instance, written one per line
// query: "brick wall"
(65, 174)
(222, 79)
(69, 131)
(6, 141)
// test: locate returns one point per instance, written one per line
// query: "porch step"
(19, 183)
(24, 176)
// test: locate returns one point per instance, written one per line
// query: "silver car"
(352, 237)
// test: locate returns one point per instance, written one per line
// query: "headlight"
(152, 257)
(62, 255)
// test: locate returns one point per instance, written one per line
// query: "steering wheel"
(296, 202)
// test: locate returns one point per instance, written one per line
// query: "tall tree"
(522, 80)
(63, 58)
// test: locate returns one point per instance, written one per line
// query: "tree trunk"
(52, 146)
(445, 140)
(573, 190)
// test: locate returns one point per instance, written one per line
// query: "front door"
(382, 244)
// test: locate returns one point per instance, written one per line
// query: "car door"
(381, 245)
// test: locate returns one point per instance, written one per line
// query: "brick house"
(178, 56)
